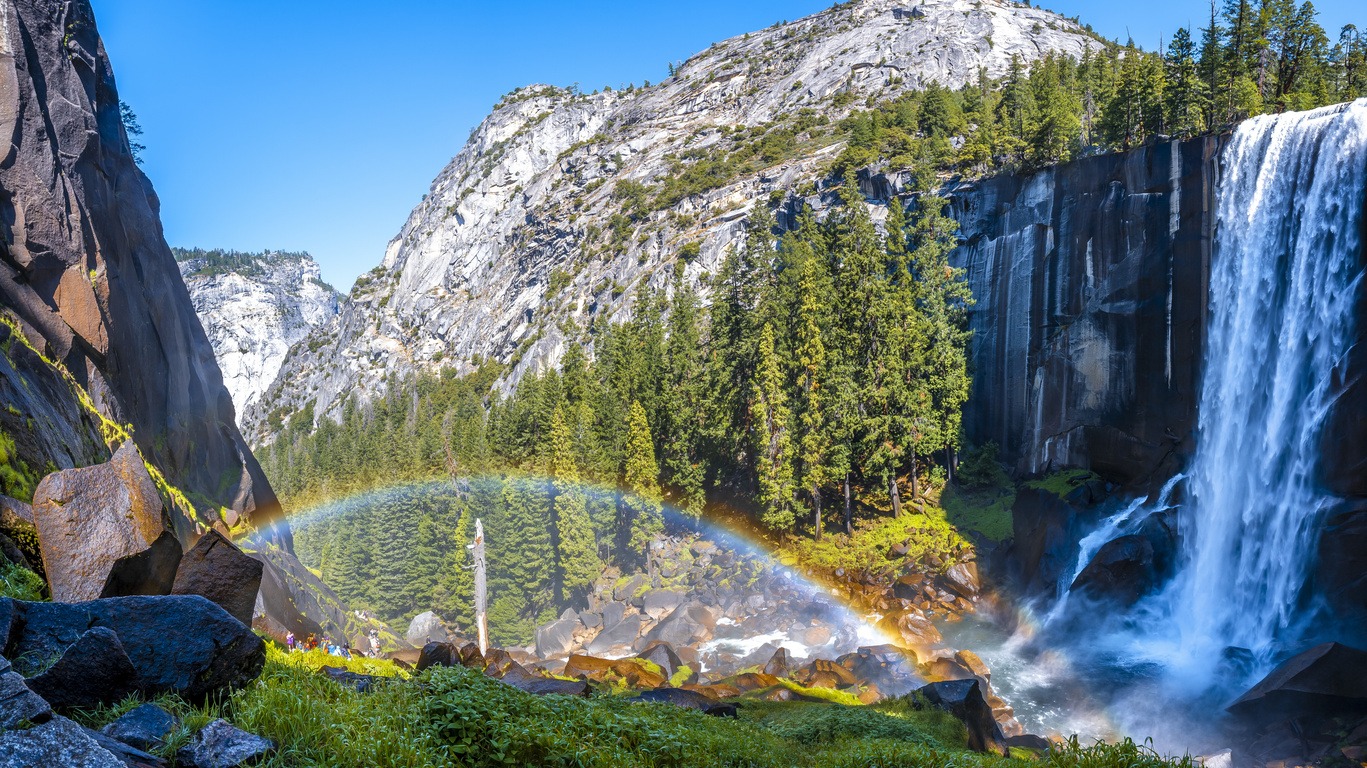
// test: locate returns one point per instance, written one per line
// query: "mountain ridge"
(523, 231)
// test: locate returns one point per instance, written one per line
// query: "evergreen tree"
(576, 551)
(1186, 94)
(773, 442)
(815, 438)
(643, 518)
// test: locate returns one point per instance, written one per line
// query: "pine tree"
(576, 550)
(1016, 111)
(643, 518)
(683, 416)
(773, 442)
(814, 442)
(1186, 94)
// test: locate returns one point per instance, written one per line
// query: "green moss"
(987, 512)
(1063, 482)
(681, 676)
(926, 534)
(17, 479)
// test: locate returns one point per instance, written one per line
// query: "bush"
(980, 470)
(20, 583)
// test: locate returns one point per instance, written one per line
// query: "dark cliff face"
(1091, 287)
(86, 268)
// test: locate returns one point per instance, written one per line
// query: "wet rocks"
(221, 745)
(1122, 571)
(57, 742)
(1326, 680)
(149, 572)
(216, 569)
(144, 727)
(94, 670)
(90, 518)
(964, 700)
(177, 644)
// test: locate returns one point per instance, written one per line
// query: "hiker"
(289, 641)
(375, 643)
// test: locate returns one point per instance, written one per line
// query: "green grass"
(930, 534)
(986, 512)
(455, 717)
(20, 583)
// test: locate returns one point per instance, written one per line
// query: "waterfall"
(1284, 274)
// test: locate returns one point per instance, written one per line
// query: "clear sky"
(318, 124)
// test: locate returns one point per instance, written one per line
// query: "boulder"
(1045, 530)
(888, 668)
(777, 665)
(216, 569)
(220, 654)
(689, 624)
(629, 671)
(18, 703)
(499, 663)
(908, 587)
(613, 614)
(916, 631)
(149, 572)
(591, 620)
(1327, 680)
(752, 681)
(92, 671)
(962, 580)
(557, 638)
(622, 635)
(144, 727)
(426, 628)
(1040, 744)
(685, 699)
(58, 742)
(662, 655)
(130, 756)
(821, 673)
(222, 745)
(90, 518)
(469, 656)
(548, 686)
(627, 589)
(354, 680)
(1122, 570)
(964, 700)
(436, 654)
(659, 603)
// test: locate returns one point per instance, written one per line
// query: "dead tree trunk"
(481, 588)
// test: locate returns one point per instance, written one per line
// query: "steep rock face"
(517, 233)
(254, 312)
(85, 267)
(1091, 286)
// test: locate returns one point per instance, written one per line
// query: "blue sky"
(318, 124)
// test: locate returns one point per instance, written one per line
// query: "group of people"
(312, 643)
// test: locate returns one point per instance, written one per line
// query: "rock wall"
(1091, 286)
(85, 269)
(255, 312)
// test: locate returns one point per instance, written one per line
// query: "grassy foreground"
(458, 717)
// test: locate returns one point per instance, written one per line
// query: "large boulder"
(222, 745)
(658, 603)
(964, 700)
(18, 703)
(435, 654)
(821, 673)
(962, 580)
(180, 644)
(890, 669)
(426, 628)
(90, 518)
(557, 638)
(1327, 680)
(629, 671)
(623, 635)
(58, 742)
(94, 670)
(548, 686)
(149, 572)
(685, 699)
(662, 654)
(217, 570)
(1122, 570)
(689, 624)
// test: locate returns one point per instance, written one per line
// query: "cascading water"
(1282, 290)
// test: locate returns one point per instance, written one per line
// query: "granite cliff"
(522, 230)
(254, 307)
(88, 280)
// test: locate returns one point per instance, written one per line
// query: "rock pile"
(98, 653)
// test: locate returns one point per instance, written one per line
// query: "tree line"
(830, 363)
